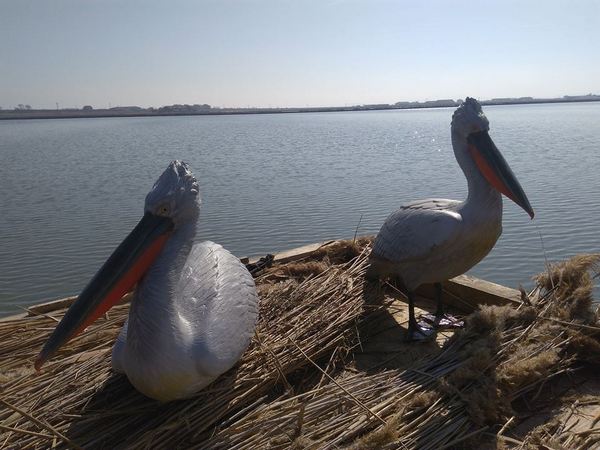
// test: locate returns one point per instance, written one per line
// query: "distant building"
(439, 103)
(587, 97)
(126, 109)
(428, 104)
(87, 108)
(507, 100)
(376, 106)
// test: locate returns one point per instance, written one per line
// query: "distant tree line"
(27, 112)
(177, 108)
(184, 108)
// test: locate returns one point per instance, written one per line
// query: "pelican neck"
(480, 192)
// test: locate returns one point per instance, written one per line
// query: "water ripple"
(73, 189)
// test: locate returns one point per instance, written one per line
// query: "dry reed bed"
(279, 398)
(459, 397)
(77, 402)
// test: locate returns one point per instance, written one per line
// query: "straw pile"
(76, 401)
(299, 384)
(457, 399)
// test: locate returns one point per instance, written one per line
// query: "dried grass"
(571, 282)
(80, 398)
(503, 355)
(334, 253)
(297, 386)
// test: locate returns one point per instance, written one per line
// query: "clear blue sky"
(293, 53)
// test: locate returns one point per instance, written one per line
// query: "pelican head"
(173, 202)
(472, 142)
(175, 195)
(469, 118)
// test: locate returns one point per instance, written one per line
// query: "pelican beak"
(123, 269)
(495, 169)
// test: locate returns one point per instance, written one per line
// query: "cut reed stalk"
(299, 385)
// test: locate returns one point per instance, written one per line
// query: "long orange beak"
(123, 269)
(496, 170)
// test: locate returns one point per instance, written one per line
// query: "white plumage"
(194, 312)
(436, 239)
(432, 240)
(176, 343)
(194, 307)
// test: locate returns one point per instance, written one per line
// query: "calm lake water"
(73, 189)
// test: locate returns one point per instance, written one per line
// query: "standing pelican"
(432, 240)
(195, 306)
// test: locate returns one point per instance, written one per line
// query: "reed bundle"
(76, 401)
(456, 398)
(298, 385)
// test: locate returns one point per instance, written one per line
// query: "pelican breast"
(171, 349)
(432, 240)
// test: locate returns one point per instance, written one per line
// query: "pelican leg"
(372, 275)
(439, 311)
(416, 331)
(441, 320)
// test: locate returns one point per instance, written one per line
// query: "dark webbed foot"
(419, 333)
(443, 321)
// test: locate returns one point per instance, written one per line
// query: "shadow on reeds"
(383, 332)
(118, 416)
(453, 384)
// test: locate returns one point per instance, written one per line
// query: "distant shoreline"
(97, 113)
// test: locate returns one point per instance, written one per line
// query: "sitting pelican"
(433, 240)
(195, 306)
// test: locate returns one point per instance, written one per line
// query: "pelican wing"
(418, 230)
(217, 302)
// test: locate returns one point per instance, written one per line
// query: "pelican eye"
(163, 210)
